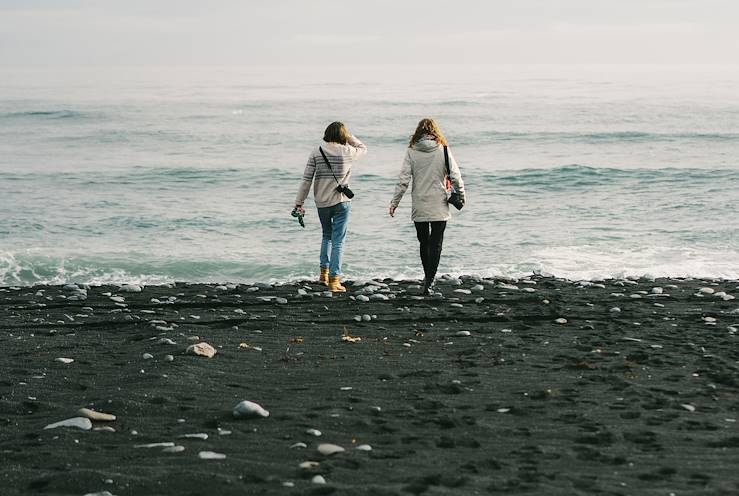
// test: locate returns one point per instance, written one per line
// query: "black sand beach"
(639, 400)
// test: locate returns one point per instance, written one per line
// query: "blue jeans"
(334, 220)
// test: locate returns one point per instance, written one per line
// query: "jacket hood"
(426, 145)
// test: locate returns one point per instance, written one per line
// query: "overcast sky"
(321, 32)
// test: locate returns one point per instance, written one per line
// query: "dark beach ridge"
(533, 386)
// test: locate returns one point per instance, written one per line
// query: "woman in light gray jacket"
(426, 165)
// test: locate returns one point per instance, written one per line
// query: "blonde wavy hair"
(427, 126)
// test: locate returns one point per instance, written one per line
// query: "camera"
(345, 191)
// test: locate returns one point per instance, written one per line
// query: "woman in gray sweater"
(330, 166)
(425, 165)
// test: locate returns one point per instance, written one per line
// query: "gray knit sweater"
(341, 158)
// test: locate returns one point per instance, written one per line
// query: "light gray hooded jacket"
(424, 164)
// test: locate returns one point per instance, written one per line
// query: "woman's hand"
(391, 211)
(300, 209)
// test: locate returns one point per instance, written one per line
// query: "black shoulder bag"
(339, 187)
(454, 198)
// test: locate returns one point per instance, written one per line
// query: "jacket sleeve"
(304, 188)
(456, 177)
(404, 180)
(358, 149)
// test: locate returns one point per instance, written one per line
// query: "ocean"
(153, 175)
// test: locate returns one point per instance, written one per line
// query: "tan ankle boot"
(334, 285)
(323, 278)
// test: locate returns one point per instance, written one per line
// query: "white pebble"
(464, 333)
(364, 447)
(78, 422)
(173, 449)
(313, 432)
(327, 449)
(561, 321)
(247, 409)
(211, 455)
(318, 479)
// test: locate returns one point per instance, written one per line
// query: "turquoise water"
(186, 174)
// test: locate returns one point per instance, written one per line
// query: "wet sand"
(479, 393)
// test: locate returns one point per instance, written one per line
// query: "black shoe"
(427, 286)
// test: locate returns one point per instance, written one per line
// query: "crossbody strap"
(329, 165)
(446, 162)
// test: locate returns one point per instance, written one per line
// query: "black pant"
(430, 245)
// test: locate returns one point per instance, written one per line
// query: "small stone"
(154, 445)
(288, 484)
(64, 360)
(78, 422)
(147, 356)
(166, 341)
(211, 455)
(173, 449)
(364, 447)
(117, 299)
(463, 291)
(105, 428)
(200, 435)
(657, 290)
(706, 290)
(281, 301)
(357, 318)
(313, 432)
(201, 349)
(477, 287)
(709, 319)
(298, 445)
(463, 333)
(327, 449)
(362, 298)
(100, 493)
(456, 305)
(93, 415)
(479, 300)
(249, 409)
(169, 358)
(366, 318)
(635, 296)
(309, 465)
(561, 321)
(131, 288)
(689, 408)
(318, 479)
(615, 310)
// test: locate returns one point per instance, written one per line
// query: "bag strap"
(446, 162)
(329, 165)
